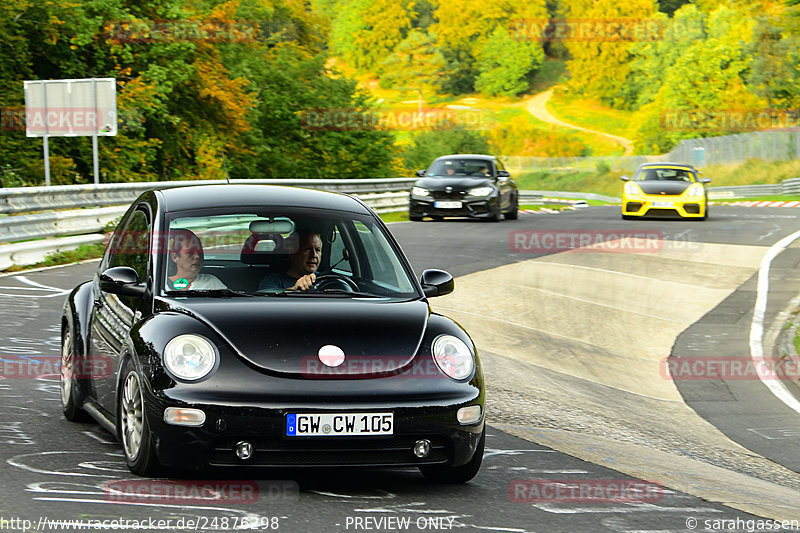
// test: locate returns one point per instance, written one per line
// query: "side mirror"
(705, 180)
(503, 174)
(420, 173)
(625, 178)
(122, 280)
(436, 282)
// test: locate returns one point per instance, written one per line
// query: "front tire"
(415, 218)
(73, 389)
(495, 216)
(137, 441)
(457, 474)
(514, 213)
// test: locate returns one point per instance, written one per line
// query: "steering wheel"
(334, 281)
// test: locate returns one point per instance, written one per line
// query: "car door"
(114, 315)
(504, 186)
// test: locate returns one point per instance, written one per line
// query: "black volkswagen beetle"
(196, 361)
(464, 185)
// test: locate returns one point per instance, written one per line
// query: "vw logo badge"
(331, 355)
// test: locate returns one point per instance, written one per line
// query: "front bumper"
(658, 206)
(481, 207)
(265, 428)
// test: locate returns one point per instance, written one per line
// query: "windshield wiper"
(213, 293)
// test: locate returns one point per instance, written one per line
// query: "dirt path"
(537, 106)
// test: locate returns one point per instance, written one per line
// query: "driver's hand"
(304, 283)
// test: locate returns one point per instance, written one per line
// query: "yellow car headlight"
(695, 190)
(631, 189)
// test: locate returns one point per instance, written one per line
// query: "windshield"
(264, 253)
(461, 167)
(664, 174)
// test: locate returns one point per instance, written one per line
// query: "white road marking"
(624, 509)
(98, 438)
(757, 325)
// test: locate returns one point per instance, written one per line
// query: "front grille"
(321, 451)
(633, 206)
(663, 213)
(442, 195)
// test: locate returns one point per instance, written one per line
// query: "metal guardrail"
(57, 223)
(787, 187)
(538, 195)
(27, 199)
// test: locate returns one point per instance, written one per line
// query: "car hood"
(672, 188)
(285, 334)
(457, 184)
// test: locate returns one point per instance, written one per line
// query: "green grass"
(607, 183)
(398, 216)
(589, 114)
(752, 172)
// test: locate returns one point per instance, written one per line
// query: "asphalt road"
(56, 470)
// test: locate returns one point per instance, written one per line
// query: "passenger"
(186, 251)
(302, 266)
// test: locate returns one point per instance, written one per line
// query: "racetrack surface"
(549, 327)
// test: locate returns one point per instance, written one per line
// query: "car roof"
(667, 165)
(472, 156)
(235, 194)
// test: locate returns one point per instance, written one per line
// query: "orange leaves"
(227, 94)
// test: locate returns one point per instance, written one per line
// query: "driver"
(302, 266)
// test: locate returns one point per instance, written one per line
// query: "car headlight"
(632, 189)
(419, 191)
(481, 191)
(695, 190)
(453, 357)
(190, 357)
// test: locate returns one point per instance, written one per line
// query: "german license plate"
(339, 424)
(447, 205)
(663, 204)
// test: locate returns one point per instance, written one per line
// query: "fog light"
(244, 450)
(469, 415)
(422, 448)
(179, 416)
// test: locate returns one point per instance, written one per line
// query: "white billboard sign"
(71, 108)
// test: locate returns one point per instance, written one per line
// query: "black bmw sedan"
(464, 185)
(250, 325)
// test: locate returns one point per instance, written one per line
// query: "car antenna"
(225, 166)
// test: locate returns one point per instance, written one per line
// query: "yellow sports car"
(665, 190)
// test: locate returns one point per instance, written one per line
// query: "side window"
(377, 257)
(338, 255)
(133, 245)
(499, 165)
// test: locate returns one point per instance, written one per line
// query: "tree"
(505, 64)
(428, 145)
(600, 46)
